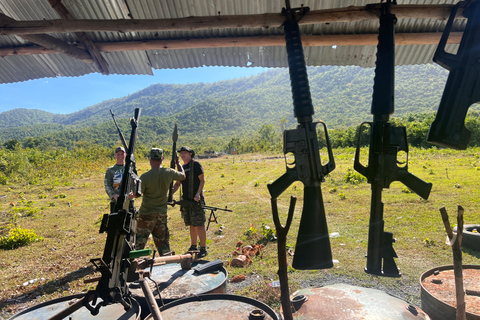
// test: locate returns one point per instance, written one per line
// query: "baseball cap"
(156, 154)
(188, 149)
(120, 149)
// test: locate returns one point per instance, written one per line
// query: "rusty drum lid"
(218, 307)
(343, 301)
(175, 283)
(49, 309)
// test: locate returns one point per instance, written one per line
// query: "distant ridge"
(341, 97)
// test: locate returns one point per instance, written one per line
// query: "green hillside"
(235, 108)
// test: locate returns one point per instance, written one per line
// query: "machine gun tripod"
(191, 203)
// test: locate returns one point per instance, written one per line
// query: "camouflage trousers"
(156, 224)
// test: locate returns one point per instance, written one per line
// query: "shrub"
(18, 237)
(268, 233)
(353, 177)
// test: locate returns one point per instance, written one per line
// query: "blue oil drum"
(175, 283)
(216, 306)
(343, 301)
(49, 309)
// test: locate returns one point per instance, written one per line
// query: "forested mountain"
(234, 108)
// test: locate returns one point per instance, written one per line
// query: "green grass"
(69, 228)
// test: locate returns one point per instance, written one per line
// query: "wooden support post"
(90, 47)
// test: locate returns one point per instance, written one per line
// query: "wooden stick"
(282, 255)
(457, 259)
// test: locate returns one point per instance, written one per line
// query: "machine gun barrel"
(122, 138)
(463, 84)
(172, 163)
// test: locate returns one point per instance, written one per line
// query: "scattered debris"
(238, 278)
(240, 261)
(243, 257)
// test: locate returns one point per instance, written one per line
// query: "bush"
(353, 177)
(18, 237)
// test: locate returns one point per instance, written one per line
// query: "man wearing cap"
(192, 186)
(113, 177)
(153, 211)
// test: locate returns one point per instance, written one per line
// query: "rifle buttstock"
(312, 250)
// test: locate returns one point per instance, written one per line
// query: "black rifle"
(463, 84)
(172, 163)
(312, 249)
(193, 203)
(386, 141)
(114, 265)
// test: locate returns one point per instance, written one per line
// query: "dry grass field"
(65, 212)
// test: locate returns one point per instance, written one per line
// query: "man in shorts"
(192, 189)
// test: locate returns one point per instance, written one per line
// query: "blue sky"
(69, 94)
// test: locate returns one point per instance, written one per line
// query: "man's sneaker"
(203, 252)
(192, 248)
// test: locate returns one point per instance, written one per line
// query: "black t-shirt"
(197, 170)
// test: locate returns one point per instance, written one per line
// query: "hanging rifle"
(172, 164)
(312, 249)
(386, 142)
(463, 84)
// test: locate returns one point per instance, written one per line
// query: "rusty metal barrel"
(438, 292)
(343, 301)
(217, 306)
(175, 283)
(49, 309)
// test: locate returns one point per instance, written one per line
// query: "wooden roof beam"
(266, 20)
(93, 52)
(51, 43)
(255, 41)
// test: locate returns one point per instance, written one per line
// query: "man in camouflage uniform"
(153, 211)
(113, 177)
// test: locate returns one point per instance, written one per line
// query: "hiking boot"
(203, 252)
(192, 248)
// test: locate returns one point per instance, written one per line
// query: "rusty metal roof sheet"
(15, 68)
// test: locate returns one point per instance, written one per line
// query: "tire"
(471, 239)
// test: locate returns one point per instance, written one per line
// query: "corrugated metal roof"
(23, 67)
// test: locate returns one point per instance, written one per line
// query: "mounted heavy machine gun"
(386, 141)
(312, 250)
(119, 246)
(463, 84)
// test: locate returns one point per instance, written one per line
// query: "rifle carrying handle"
(357, 165)
(330, 165)
(443, 58)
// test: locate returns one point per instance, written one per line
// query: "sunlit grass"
(70, 227)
